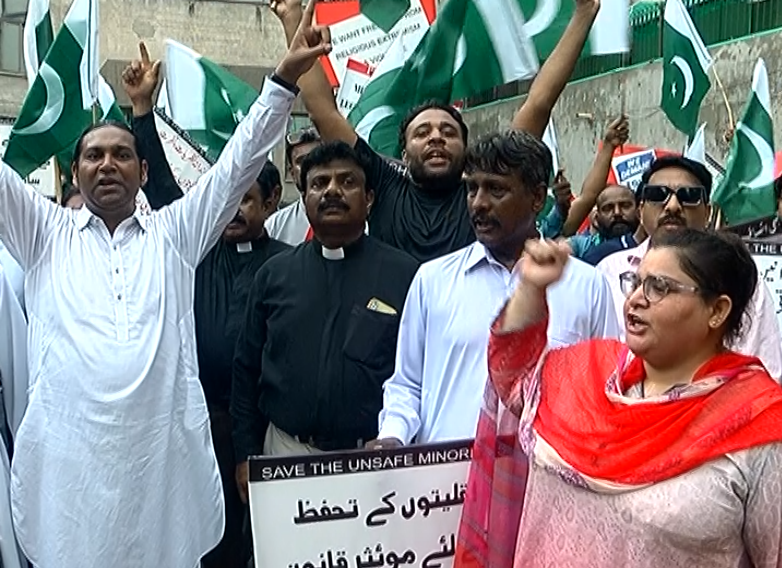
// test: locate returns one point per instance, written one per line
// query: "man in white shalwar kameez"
(13, 379)
(113, 465)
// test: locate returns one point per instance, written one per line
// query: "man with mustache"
(422, 210)
(321, 324)
(113, 464)
(222, 283)
(617, 219)
(610, 207)
(617, 214)
(436, 390)
(674, 193)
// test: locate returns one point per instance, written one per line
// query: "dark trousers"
(234, 550)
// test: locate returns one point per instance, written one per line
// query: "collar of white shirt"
(477, 255)
(84, 216)
(635, 255)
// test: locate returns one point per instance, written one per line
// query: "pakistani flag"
(384, 13)
(686, 63)
(547, 20)
(473, 46)
(203, 98)
(696, 149)
(58, 106)
(746, 191)
(38, 37)
(550, 140)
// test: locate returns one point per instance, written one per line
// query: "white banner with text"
(630, 168)
(187, 161)
(768, 258)
(358, 38)
(352, 86)
(359, 509)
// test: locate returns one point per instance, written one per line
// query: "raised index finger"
(142, 48)
(309, 13)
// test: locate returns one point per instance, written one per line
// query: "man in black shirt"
(321, 324)
(423, 210)
(222, 282)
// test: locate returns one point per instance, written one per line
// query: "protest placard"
(354, 35)
(629, 168)
(359, 509)
(44, 179)
(356, 77)
(768, 258)
(188, 162)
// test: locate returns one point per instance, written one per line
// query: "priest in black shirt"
(423, 210)
(319, 337)
(222, 282)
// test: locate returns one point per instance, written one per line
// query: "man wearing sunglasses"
(674, 193)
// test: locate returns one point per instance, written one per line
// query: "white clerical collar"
(244, 247)
(333, 254)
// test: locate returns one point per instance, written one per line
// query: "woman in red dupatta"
(663, 452)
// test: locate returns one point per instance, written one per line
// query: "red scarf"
(625, 443)
(644, 443)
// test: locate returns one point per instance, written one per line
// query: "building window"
(12, 14)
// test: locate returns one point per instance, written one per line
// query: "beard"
(618, 229)
(441, 182)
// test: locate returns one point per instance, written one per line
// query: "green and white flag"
(58, 106)
(203, 98)
(472, 46)
(696, 149)
(384, 13)
(38, 37)
(746, 191)
(686, 63)
(547, 20)
(550, 140)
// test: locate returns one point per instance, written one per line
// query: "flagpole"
(57, 181)
(718, 219)
(92, 59)
(623, 104)
(724, 97)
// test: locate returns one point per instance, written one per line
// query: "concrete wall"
(12, 91)
(586, 107)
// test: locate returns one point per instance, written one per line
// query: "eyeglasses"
(655, 288)
(686, 196)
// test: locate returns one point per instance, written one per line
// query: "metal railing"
(717, 21)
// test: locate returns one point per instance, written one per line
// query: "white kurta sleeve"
(13, 355)
(761, 332)
(605, 324)
(400, 417)
(27, 219)
(13, 374)
(763, 508)
(196, 221)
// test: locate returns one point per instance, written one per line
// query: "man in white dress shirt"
(13, 378)
(113, 464)
(675, 193)
(290, 224)
(13, 273)
(436, 390)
